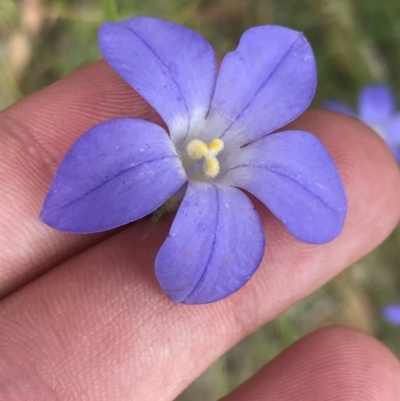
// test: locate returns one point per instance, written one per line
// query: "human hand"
(96, 326)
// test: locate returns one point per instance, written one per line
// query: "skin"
(83, 318)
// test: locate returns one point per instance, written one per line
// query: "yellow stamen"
(197, 149)
(211, 166)
(216, 145)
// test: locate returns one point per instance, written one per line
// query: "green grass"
(355, 43)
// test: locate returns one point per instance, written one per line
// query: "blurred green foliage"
(356, 42)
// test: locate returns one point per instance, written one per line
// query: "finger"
(332, 364)
(34, 137)
(100, 323)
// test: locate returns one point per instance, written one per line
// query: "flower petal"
(214, 246)
(393, 136)
(171, 66)
(268, 81)
(375, 103)
(339, 107)
(293, 174)
(117, 172)
(391, 314)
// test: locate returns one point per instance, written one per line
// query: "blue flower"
(391, 314)
(376, 108)
(220, 139)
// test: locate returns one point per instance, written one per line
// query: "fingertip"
(332, 364)
(368, 169)
(369, 172)
(371, 179)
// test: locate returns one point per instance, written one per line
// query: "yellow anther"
(197, 149)
(216, 145)
(211, 166)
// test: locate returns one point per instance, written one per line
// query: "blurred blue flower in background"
(391, 313)
(376, 108)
